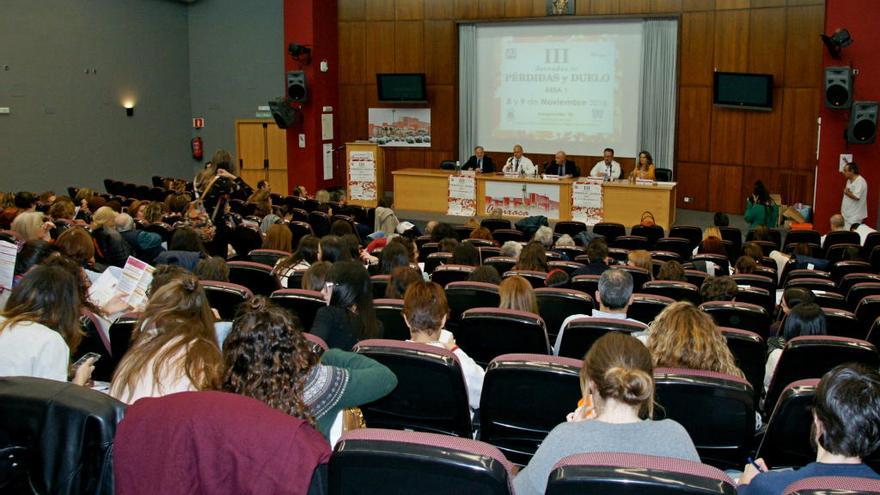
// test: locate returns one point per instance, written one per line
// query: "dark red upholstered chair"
(379, 284)
(805, 273)
(802, 236)
(758, 296)
(639, 275)
(317, 343)
(739, 315)
(298, 230)
(752, 280)
(581, 333)
(524, 397)
(842, 323)
(431, 394)
(536, 279)
(786, 441)
(859, 291)
(717, 410)
(486, 333)
(434, 260)
(370, 460)
(304, 304)
(696, 277)
(649, 232)
(813, 284)
(494, 224)
(825, 485)
(267, 256)
(503, 235)
(841, 237)
(631, 242)
(633, 474)
(568, 266)
(868, 310)
(831, 300)
(255, 276)
(847, 281)
(390, 313)
(448, 273)
(841, 268)
(555, 305)
(320, 223)
(570, 252)
(225, 297)
(609, 230)
(462, 296)
(500, 263)
(679, 291)
(750, 352)
(646, 307)
(587, 284)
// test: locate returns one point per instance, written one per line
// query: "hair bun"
(190, 284)
(632, 386)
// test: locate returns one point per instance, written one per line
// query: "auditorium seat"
(478, 243)
(371, 460)
(390, 313)
(243, 240)
(812, 356)
(494, 224)
(634, 474)
(631, 242)
(56, 437)
(570, 227)
(320, 223)
(451, 273)
(95, 340)
(425, 250)
(786, 441)
(503, 235)
(859, 291)
(664, 256)
(430, 395)
(462, 296)
(868, 310)
(800, 273)
(581, 333)
(609, 230)
(693, 234)
(225, 297)
(646, 307)
(555, 305)
(619, 255)
(318, 345)
(535, 278)
(680, 291)
(825, 485)
(775, 238)
(553, 256)
(570, 252)
(300, 215)
(695, 277)
(298, 230)
(802, 236)
(568, 267)
(841, 237)
(740, 315)
(766, 247)
(734, 235)
(835, 253)
(813, 284)
(830, 300)
(304, 304)
(587, 284)
(717, 410)
(677, 245)
(750, 352)
(120, 337)
(433, 260)
(294, 279)
(841, 268)
(850, 279)
(500, 263)
(267, 256)
(486, 333)
(524, 397)
(722, 263)
(649, 232)
(487, 252)
(758, 296)
(379, 284)
(663, 174)
(255, 276)
(640, 276)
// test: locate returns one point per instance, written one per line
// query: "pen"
(753, 463)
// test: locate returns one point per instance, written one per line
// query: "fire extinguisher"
(196, 145)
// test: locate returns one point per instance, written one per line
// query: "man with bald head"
(837, 223)
(562, 166)
(519, 164)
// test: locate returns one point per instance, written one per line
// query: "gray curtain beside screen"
(467, 89)
(658, 100)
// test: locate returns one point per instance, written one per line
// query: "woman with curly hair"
(268, 358)
(682, 336)
(174, 346)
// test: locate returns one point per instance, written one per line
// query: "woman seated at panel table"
(644, 167)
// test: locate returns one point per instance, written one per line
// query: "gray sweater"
(661, 438)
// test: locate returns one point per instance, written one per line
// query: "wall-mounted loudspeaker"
(838, 87)
(862, 128)
(296, 86)
(284, 114)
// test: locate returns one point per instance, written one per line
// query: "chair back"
(678, 245)
(868, 310)
(267, 256)
(581, 333)
(451, 273)
(646, 307)
(555, 305)
(649, 232)
(255, 276)
(823, 485)
(500, 263)
(462, 296)
(572, 228)
(859, 291)
(609, 230)
(568, 266)
(225, 297)
(535, 279)
(494, 224)
(640, 276)
(304, 304)
(786, 442)
(433, 260)
(841, 268)
(631, 242)
(842, 323)
(587, 284)
(750, 353)
(753, 280)
(740, 315)
(486, 333)
(758, 296)
(298, 230)
(679, 291)
(803, 236)
(390, 313)
(841, 237)
(503, 235)
(320, 223)
(379, 284)
(692, 233)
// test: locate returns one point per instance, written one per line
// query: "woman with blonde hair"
(617, 384)
(641, 259)
(174, 345)
(517, 293)
(31, 225)
(682, 336)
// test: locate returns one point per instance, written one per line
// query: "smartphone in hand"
(81, 361)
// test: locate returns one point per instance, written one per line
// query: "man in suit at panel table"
(561, 165)
(607, 168)
(480, 161)
(518, 164)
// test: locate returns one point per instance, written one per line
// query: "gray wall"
(216, 59)
(236, 63)
(68, 127)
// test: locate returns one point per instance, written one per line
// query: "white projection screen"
(571, 85)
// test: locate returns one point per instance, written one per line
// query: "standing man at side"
(607, 168)
(562, 166)
(519, 164)
(854, 206)
(480, 161)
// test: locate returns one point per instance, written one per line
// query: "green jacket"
(757, 214)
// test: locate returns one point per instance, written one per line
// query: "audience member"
(213, 268)
(340, 228)
(482, 233)
(845, 430)
(78, 245)
(671, 270)
(761, 210)
(533, 257)
(511, 249)
(267, 358)
(315, 276)
(753, 250)
(185, 249)
(803, 319)
(401, 278)
(517, 293)
(349, 315)
(307, 252)
(485, 273)
(393, 256)
(791, 297)
(30, 225)
(466, 254)
(386, 220)
(110, 247)
(718, 289)
(617, 380)
(745, 265)
(597, 253)
(557, 278)
(146, 245)
(425, 311)
(565, 240)
(332, 249)
(32, 253)
(615, 295)
(278, 238)
(447, 245)
(441, 231)
(641, 258)
(720, 219)
(544, 235)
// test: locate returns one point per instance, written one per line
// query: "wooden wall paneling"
(582, 7)
(464, 9)
(435, 157)
(391, 155)
(731, 4)
(767, 3)
(696, 50)
(762, 132)
(352, 10)
(443, 124)
(599, 7)
(796, 186)
(767, 43)
(800, 109)
(665, 5)
(732, 40)
(724, 188)
(803, 48)
(409, 55)
(634, 7)
(728, 135)
(440, 9)
(520, 8)
(352, 54)
(380, 10)
(805, 2)
(379, 50)
(692, 179)
(410, 10)
(441, 52)
(352, 112)
(694, 124)
(696, 5)
(490, 8)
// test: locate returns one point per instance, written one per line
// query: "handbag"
(647, 219)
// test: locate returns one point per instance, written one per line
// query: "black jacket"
(111, 247)
(595, 268)
(488, 164)
(552, 168)
(338, 328)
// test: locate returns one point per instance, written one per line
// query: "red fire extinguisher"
(196, 145)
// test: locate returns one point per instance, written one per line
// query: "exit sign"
(198, 122)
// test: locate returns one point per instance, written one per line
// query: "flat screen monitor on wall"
(745, 91)
(401, 87)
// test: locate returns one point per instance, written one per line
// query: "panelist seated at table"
(607, 168)
(480, 161)
(519, 164)
(644, 167)
(562, 166)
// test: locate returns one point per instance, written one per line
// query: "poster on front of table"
(586, 201)
(462, 196)
(522, 199)
(362, 175)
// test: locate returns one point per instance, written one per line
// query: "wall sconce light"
(129, 108)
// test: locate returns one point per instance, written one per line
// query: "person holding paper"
(607, 168)
(480, 161)
(854, 205)
(562, 166)
(519, 164)
(644, 167)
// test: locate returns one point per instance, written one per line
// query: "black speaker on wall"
(296, 86)
(838, 87)
(862, 128)
(284, 113)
